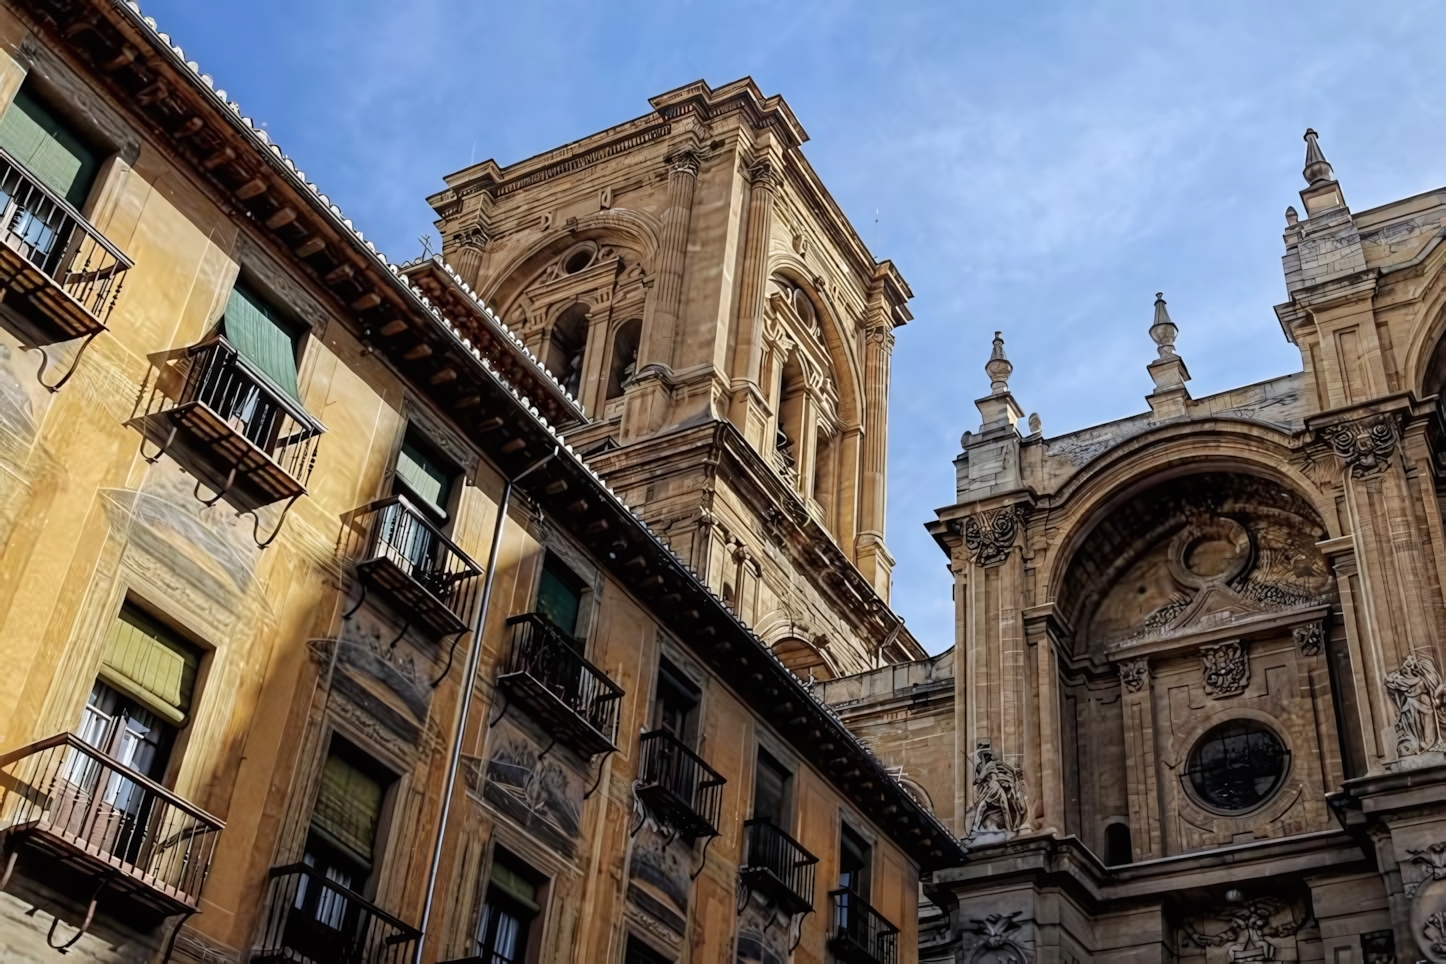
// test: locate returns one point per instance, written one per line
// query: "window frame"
(535, 926)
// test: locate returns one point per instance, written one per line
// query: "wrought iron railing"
(310, 918)
(860, 934)
(545, 669)
(778, 865)
(221, 379)
(70, 798)
(403, 552)
(48, 232)
(686, 792)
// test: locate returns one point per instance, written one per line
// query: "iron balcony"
(402, 554)
(230, 426)
(776, 866)
(859, 934)
(547, 676)
(312, 919)
(88, 825)
(680, 789)
(59, 272)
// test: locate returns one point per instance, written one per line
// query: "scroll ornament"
(1364, 445)
(1134, 674)
(990, 535)
(1310, 639)
(1226, 668)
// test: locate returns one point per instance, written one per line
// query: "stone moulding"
(1226, 668)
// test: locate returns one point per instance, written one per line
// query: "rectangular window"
(559, 595)
(770, 791)
(855, 861)
(675, 707)
(423, 477)
(48, 148)
(640, 953)
(509, 910)
(342, 841)
(262, 337)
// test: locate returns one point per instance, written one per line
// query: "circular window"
(1237, 765)
(578, 257)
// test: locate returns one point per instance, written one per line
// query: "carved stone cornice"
(1364, 445)
(989, 535)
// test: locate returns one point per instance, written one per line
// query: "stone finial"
(1163, 330)
(1317, 168)
(1035, 424)
(998, 367)
(1291, 215)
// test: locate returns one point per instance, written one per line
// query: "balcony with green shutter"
(227, 410)
(60, 275)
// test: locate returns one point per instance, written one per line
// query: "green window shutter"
(253, 329)
(514, 885)
(47, 148)
(423, 477)
(348, 807)
(559, 597)
(142, 661)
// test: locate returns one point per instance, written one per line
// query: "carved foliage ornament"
(1365, 445)
(997, 941)
(990, 535)
(1134, 674)
(1226, 668)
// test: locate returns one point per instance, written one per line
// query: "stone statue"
(1420, 697)
(1000, 807)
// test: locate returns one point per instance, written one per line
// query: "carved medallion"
(990, 535)
(1226, 668)
(1428, 919)
(1364, 445)
(1134, 674)
(1310, 639)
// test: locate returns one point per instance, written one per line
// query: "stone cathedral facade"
(1195, 710)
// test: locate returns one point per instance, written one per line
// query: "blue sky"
(1042, 169)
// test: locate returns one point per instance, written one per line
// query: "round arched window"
(1237, 765)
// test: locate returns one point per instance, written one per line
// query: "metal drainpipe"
(474, 656)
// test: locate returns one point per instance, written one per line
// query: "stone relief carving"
(1226, 668)
(996, 940)
(1420, 697)
(1428, 903)
(1432, 860)
(1309, 639)
(990, 535)
(1001, 801)
(1134, 674)
(1365, 445)
(1260, 929)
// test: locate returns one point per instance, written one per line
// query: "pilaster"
(748, 407)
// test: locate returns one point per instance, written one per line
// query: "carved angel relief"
(1364, 445)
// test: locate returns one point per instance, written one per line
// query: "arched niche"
(803, 659)
(1189, 553)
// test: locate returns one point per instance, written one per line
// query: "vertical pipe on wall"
(464, 709)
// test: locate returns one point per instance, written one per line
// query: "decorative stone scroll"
(1226, 667)
(1310, 639)
(1001, 802)
(990, 535)
(1364, 445)
(1134, 674)
(1420, 697)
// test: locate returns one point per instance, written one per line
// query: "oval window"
(1237, 765)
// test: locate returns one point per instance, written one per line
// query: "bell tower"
(690, 280)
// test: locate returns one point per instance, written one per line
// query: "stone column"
(870, 555)
(660, 336)
(1141, 777)
(748, 408)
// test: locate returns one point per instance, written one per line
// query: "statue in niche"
(1000, 801)
(1420, 697)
